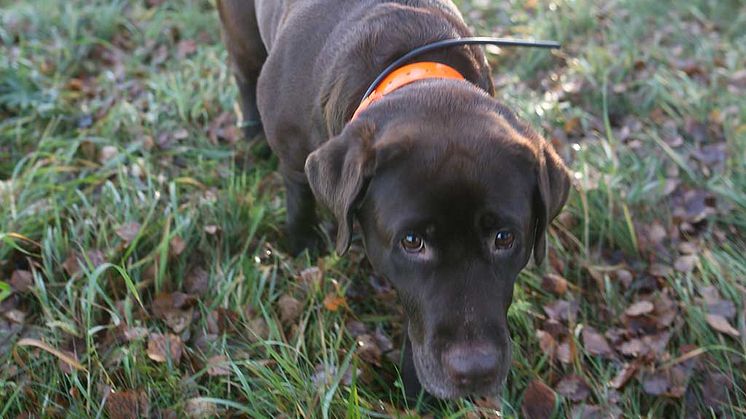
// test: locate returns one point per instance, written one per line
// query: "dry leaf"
(574, 388)
(721, 324)
(21, 280)
(197, 282)
(332, 301)
(258, 330)
(107, 153)
(546, 342)
(368, 350)
(538, 401)
(290, 309)
(162, 347)
(639, 308)
(623, 376)
(128, 232)
(218, 366)
(595, 343)
(564, 352)
(176, 246)
(199, 408)
(554, 283)
(211, 229)
(127, 404)
(685, 263)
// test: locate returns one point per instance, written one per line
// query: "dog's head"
(453, 194)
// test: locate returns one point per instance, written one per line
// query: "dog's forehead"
(454, 183)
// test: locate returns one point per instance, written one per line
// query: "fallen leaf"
(623, 376)
(685, 263)
(290, 309)
(197, 282)
(655, 383)
(721, 324)
(368, 350)
(127, 404)
(258, 330)
(107, 153)
(332, 301)
(199, 408)
(546, 342)
(128, 232)
(176, 246)
(554, 283)
(162, 347)
(715, 389)
(218, 365)
(595, 343)
(564, 352)
(574, 388)
(21, 280)
(561, 310)
(211, 229)
(639, 308)
(185, 48)
(538, 401)
(135, 333)
(660, 270)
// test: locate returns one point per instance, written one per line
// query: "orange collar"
(405, 75)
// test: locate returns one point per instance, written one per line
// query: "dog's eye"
(504, 239)
(412, 243)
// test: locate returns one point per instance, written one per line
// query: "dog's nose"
(471, 364)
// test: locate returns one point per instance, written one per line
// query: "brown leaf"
(128, 404)
(554, 283)
(258, 330)
(595, 343)
(715, 389)
(218, 365)
(639, 308)
(561, 310)
(128, 232)
(199, 408)
(21, 280)
(565, 352)
(574, 388)
(107, 153)
(162, 347)
(660, 270)
(546, 342)
(623, 376)
(685, 263)
(721, 324)
(656, 383)
(368, 350)
(312, 276)
(197, 282)
(332, 301)
(538, 401)
(176, 246)
(290, 309)
(185, 48)
(135, 333)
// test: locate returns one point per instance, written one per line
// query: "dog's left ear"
(553, 189)
(338, 172)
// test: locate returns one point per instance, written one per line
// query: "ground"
(142, 268)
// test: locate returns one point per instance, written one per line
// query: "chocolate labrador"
(451, 190)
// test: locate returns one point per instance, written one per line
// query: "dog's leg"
(301, 223)
(247, 53)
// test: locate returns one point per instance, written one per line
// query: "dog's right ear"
(338, 172)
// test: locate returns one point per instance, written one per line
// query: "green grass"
(102, 124)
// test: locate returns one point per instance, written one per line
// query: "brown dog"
(452, 192)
